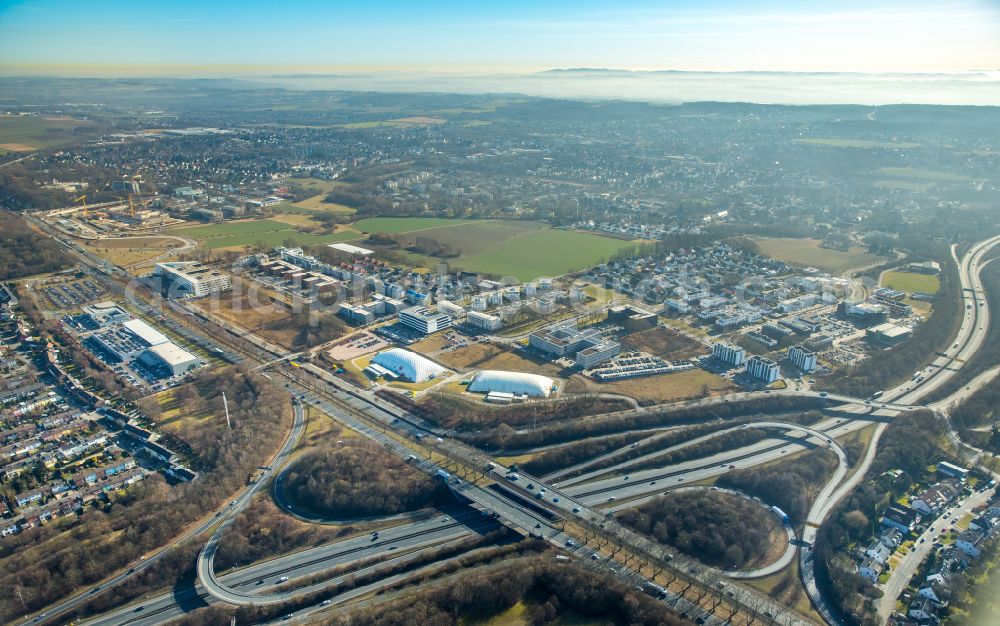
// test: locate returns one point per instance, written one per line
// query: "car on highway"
(570, 543)
(283, 579)
(325, 602)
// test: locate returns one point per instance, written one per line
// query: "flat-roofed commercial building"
(598, 353)
(146, 333)
(169, 355)
(191, 278)
(421, 319)
(588, 347)
(631, 318)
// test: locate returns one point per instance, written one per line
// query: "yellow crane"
(83, 199)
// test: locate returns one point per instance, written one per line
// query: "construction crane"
(133, 193)
(83, 199)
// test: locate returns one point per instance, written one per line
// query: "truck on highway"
(443, 475)
(782, 515)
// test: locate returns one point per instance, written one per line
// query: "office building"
(631, 318)
(420, 319)
(588, 347)
(191, 278)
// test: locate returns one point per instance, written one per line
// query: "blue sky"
(114, 36)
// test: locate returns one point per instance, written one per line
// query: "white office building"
(421, 319)
(763, 369)
(802, 358)
(191, 278)
(728, 353)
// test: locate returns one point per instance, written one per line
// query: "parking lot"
(72, 294)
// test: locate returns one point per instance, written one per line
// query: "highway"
(263, 577)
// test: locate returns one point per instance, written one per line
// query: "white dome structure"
(518, 383)
(408, 365)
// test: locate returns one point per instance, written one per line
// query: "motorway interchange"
(571, 514)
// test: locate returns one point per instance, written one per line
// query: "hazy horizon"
(976, 87)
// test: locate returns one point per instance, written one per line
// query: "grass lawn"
(397, 225)
(807, 252)
(543, 253)
(911, 281)
(855, 143)
(919, 174)
(24, 133)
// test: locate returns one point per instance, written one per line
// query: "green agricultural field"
(855, 143)
(919, 174)
(911, 281)
(470, 238)
(397, 225)
(227, 229)
(808, 253)
(543, 253)
(522, 249)
(25, 133)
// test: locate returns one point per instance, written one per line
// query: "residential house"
(900, 517)
(942, 574)
(31, 497)
(934, 498)
(871, 569)
(878, 551)
(923, 611)
(891, 538)
(937, 593)
(987, 521)
(970, 542)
